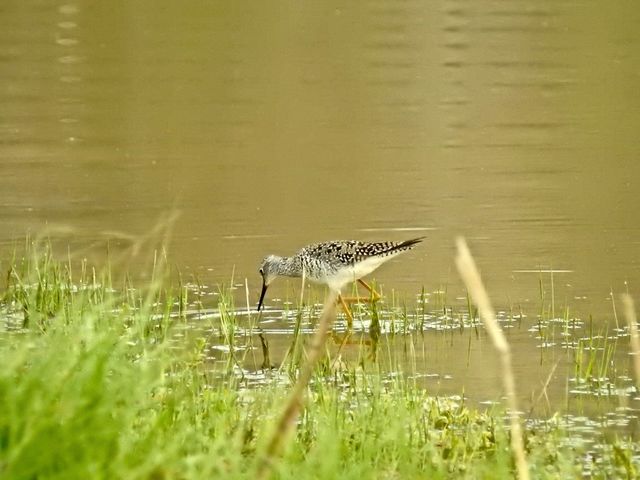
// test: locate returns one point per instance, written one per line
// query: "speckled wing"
(349, 252)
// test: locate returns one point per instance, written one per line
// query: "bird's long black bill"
(264, 290)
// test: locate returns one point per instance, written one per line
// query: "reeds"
(98, 385)
(292, 408)
(471, 277)
(630, 313)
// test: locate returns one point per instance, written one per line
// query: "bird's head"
(268, 270)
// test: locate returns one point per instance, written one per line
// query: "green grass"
(93, 386)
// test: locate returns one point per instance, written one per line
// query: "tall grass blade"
(471, 277)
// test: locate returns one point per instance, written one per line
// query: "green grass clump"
(93, 386)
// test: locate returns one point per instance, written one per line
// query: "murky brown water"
(514, 124)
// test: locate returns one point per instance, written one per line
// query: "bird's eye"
(261, 271)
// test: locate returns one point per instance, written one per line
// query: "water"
(514, 124)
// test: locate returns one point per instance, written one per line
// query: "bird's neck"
(289, 267)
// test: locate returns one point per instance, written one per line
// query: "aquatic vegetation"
(101, 379)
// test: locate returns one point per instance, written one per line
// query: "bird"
(335, 264)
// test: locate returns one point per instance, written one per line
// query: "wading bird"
(335, 264)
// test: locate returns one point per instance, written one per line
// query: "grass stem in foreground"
(630, 313)
(471, 277)
(290, 413)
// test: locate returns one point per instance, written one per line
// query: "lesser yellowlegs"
(335, 264)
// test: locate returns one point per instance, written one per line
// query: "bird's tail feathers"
(407, 244)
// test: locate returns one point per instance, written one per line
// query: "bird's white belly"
(350, 274)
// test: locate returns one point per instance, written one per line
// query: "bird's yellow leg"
(374, 296)
(346, 310)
